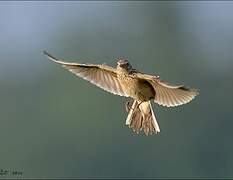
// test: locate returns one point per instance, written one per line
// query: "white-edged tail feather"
(141, 117)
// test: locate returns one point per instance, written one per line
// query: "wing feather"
(175, 95)
(102, 76)
(167, 94)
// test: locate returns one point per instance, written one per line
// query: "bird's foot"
(128, 105)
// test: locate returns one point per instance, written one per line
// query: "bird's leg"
(139, 103)
(128, 105)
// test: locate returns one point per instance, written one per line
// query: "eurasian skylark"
(126, 81)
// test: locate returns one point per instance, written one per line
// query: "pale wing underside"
(173, 95)
(167, 94)
(102, 76)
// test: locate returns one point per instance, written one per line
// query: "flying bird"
(128, 82)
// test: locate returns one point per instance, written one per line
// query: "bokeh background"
(53, 124)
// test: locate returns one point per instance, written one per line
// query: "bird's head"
(124, 64)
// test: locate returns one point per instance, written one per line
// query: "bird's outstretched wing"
(101, 75)
(167, 94)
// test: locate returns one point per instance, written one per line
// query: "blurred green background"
(54, 124)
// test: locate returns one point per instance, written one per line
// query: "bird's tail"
(141, 116)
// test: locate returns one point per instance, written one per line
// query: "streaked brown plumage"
(126, 81)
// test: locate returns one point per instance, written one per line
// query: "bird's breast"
(137, 88)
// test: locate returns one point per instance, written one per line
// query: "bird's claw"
(128, 106)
